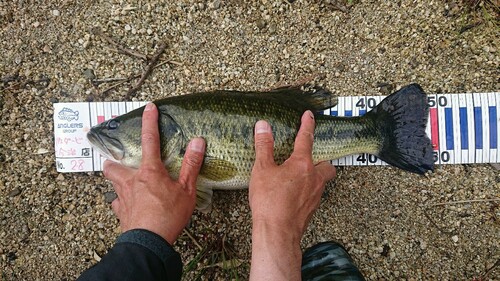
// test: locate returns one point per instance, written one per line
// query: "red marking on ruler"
(100, 119)
(434, 128)
(113, 116)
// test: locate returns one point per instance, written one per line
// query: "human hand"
(147, 197)
(286, 196)
(283, 199)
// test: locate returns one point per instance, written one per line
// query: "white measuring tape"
(464, 128)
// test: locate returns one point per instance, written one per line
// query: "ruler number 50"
(441, 101)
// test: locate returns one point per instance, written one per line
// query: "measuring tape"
(463, 128)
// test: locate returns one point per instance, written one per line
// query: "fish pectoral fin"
(216, 169)
(204, 199)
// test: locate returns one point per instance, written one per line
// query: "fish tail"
(401, 119)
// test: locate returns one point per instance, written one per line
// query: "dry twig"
(135, 76)
(147, 71)
(462, 202)
(98, 82)
(192, 239)
(119, 48)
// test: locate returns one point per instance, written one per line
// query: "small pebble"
(261, 24)
(15, 192)
(216, 4)
(89, 73)
(56, 13)
(454, 238)
(109, 196)
(42, 151)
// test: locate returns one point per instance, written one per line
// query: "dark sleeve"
(138, 254)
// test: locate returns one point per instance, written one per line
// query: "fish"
(394, 131)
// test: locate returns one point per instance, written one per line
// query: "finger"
(326, 170)
(264, 143)
(305, 137)
(115, 172)
(150, 137)
(191, 164)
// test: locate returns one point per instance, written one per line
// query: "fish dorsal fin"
(217, 169)
(317, 97)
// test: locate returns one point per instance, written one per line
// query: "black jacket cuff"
(160, 247)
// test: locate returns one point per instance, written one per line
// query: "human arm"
(138, 254)
(150, 200)
(283, 199)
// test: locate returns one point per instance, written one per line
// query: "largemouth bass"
(394, 131)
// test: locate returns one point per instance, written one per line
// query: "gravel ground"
(53, 226)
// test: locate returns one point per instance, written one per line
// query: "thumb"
(191, 164)
(264, 143)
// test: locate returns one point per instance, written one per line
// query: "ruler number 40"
(370, 103)
(370, 158)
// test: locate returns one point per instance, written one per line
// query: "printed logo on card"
(68, 114)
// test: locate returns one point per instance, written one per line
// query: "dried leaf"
(229, 264)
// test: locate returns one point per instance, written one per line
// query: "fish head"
(119, 138)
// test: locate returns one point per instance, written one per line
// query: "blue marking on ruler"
(449, 128)
(493, 127)
(334, 113)
(464, 133)
(348, 113)
(478, 123)
(362, 112)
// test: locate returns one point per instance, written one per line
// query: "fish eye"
(113, 124)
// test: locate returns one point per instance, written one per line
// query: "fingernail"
(197, 145)
(262, 127)
(149, 106)
(310, 114)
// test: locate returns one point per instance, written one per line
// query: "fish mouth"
(111, 149)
